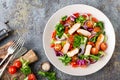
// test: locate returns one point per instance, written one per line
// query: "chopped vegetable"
(100, 24)
(65, 59)
(64, 18)
(25, 69)
(58, 47)
(48, 75)
(60, 30)
(80, 19)
(78, 40)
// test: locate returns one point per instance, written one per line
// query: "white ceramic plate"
(68, 10)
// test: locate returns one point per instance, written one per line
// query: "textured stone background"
(32, 15)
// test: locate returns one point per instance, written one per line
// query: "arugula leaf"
(15, 79)
(78, 40)
(80, 19)
(64, 18)
(94, 57)
(65, 59)
(60, 30)
(49, 75)
(100, 24)
(25, 69)
(84, 57)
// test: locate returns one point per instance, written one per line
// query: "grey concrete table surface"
(32, 15)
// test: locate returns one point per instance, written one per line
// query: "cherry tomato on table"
(17, 64)
(12, 69)
(31, 77)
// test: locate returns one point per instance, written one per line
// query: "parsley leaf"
(64, 18)
(65, 59)
(60, 30)
(80, 19)
(78, 40)
(49, 75)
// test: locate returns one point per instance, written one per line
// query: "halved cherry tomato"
(71, 47)
(58, 47)
(91, 43)
(94, 50)
(74, 64)
(76, 15)
(31, 77)
(52, 45)
(89, 24)
(66, 29)
(89, 14)
(71, 38)
(17, 64)
(94, 19)
(103, 46)
(74, 58)
(96, 29)
(12, 69)
(84, 16)
(83, 66)
(54, 35)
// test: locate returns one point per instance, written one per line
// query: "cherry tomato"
(94, 19)
(58, 47)
(71, 47)
(54, 35)
(89, 14)
(76, 15)
(94, 50)
(74, 58)
(103, 46)
(91, 43)
(62, 22)
(89, 24)
(52, 45)
(71, 38)
(17, 64)
(31, 77)
(83, 66)
(12, 69)
(96, 29)
(66, 29)
(74, 64)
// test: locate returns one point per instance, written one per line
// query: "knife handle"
(3, 34)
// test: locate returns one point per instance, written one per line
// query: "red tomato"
(17, 64)
(74, 64)
(71, 47)
(12, 69)
(94, 51)
(89, 14)
(71, 38)
(52, 45)
(96, 29)
(91, 43)
(103, 46)
(74, 58)
(94, 19)
(84, 16)
(62, 22)
(89, 24)
(31, 77)
(54, 35)
(76, 15)
(58, 47)
(66, 29)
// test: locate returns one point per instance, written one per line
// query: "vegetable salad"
(79, 40)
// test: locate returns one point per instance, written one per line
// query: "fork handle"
(4, 59)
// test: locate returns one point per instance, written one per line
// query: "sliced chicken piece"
(88, 49)
(66, 47)
(99, 40)
(73, 52)
(84, 32)
(74, 28)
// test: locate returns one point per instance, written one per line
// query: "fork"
(17, 44)
(19, 53)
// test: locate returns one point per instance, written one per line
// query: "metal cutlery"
(16, 45)
(19, 53)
